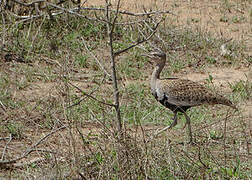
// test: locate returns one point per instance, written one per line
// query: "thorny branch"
(75, 11)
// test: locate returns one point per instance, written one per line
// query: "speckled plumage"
(180, 94)
(183, 92)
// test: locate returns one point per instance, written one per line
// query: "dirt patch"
(221, 76)
(41, 90)
(37, 91)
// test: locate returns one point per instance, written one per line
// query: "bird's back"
(187, 93)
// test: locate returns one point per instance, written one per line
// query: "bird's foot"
(162, 130)
(184, 126)
(174, 123)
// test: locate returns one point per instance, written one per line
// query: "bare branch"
(116, 16)
(72, 11)
(96, 59)
(139, 42)
(157, 35)
(88, 95)
(128, 12)
(97, 9)
(30, 162)
(75, 11)
(26, 18)
(200, 160)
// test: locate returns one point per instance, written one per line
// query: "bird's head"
(157, 56)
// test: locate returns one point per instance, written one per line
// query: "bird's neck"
(156, 73)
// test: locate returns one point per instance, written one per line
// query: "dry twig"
(96, 59)
(31, 149)
(90, 96)
(5, 147)
(141, 41)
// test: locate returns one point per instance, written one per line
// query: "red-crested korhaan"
(179, 95)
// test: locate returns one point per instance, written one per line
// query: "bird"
(178, 94)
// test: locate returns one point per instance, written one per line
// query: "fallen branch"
(31, 149)
(30, 162)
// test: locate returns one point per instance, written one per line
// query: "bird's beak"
(148, 55)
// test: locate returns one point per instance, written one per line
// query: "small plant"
(244, 88)
(210, 79)
(15, 130)
(81, 61)
(249, 59)
(226, 5)
(216, 135)
(238, 19)
(210, 59)
(224, 19)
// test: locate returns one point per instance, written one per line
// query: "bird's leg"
(188, 122)
(169, 127)
(175, 121)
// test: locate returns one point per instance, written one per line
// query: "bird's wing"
(182, 92)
